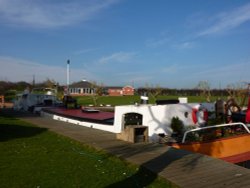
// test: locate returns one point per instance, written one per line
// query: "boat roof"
(81, 115)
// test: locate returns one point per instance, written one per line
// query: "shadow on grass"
(9, 132)
(10, 113)
(11, 128)
(142, 178)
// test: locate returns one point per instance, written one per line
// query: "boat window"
(186, 114)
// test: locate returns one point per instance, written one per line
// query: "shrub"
(177, 125)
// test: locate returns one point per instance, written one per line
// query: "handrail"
(214, 126)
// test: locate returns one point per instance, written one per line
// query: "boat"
(35, 100)
(229, 142)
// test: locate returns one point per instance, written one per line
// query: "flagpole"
(68, 62)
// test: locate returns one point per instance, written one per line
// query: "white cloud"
(184, 45)
(228, 20)
(136, 78)
(154, 43)
(235, 70)
(230, 73)
(14, 69)
(172, 69)
(50, 14)
(84, 51)
(119, 57)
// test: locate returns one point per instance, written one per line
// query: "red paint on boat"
(233, 149)
(248, 112)
(79, 114)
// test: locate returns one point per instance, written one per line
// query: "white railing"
(214, 126)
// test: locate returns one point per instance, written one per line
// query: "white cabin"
(156, 117)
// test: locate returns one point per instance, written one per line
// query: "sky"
(166, 43)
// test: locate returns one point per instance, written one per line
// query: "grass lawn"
(35, 157)
(126, 100)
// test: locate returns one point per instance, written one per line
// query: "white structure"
(109, 128)
(156, 117)
(183, 99)
(26, 100)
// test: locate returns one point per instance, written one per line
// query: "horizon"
(233, 86)
(171, 44)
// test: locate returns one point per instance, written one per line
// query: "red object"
(121, 91)
(248, 112)
(237, 158)
(79, 114)
(194, 117)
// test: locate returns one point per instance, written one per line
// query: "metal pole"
(68, 62)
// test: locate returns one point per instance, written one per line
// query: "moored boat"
(229, 142)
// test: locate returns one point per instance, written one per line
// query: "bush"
(177, 125)
(10, 95)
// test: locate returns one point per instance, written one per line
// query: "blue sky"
(167, 43)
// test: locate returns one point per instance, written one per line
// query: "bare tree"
(97, 91)
(239, 92)
(153, 92)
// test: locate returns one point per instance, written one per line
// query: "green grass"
(35, 157)
(105, 100)
(126, 100)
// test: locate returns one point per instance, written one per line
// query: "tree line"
(10, 89)
(180, 92)
(238, 91)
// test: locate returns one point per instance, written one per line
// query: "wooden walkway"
(183, 168)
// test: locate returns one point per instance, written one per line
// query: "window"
(133, 119)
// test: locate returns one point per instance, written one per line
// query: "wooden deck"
(181, 167)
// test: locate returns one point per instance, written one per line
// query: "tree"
(153, 92)
(238, 91)
(98, 91)
(204, 88)
(47, 84)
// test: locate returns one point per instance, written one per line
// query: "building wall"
(128, 90)
(81, 91)
(115, 92)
